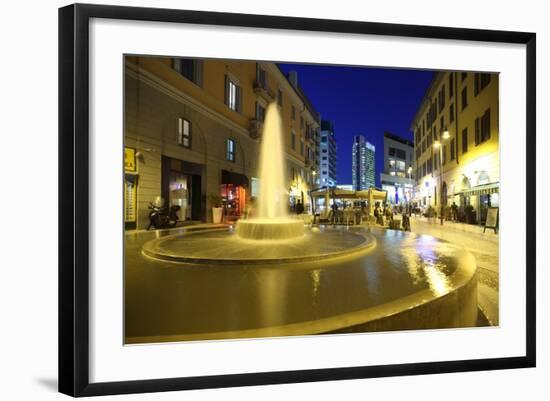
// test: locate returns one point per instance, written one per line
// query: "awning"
(229, 177)
(485, 189)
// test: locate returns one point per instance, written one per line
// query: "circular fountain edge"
(153, 250)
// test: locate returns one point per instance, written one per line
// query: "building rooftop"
(398, 139)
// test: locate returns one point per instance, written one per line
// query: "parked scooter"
(160, 217)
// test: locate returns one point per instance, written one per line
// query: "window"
(464, 75)
(464, 140)
(464, 98)
(483, 127)
(451, 113)
(444, 151)
(480, 82)
(260, 112)
(261, 77)
(486, 126)
(293, 113)
(233, 94)
(301, 122)
(452, 149)
(230, 149)
(442, 123)
(189, 68)
(184, 132)
(302, 148)
(280, 97)
(441, 99)
(293, 141)
(451, 86)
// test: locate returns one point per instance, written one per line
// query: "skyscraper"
(362, 163)
(327, 160)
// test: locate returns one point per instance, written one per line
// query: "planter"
(217, 213)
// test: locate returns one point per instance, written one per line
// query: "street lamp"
(409, 171)
(437, 145)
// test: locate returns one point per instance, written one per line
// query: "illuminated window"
(184, 132)
(230, 149)
(233, 94)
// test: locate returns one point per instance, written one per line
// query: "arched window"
(483, 178)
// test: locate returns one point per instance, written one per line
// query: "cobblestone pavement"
(484, 247)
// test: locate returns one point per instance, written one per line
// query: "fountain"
(271, 236)
(272, 222)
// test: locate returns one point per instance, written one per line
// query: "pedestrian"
(299, 207)
(378, 214)
(454, 212)
(389, 214)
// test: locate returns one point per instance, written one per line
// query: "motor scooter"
(161, 217)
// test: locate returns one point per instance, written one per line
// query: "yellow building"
(193, 129)
(456, 137)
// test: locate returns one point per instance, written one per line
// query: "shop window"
(184, 132)
(230, 149)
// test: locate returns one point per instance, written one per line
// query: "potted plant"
(217, 208)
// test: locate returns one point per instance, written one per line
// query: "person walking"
(299, 207)
(454, 212)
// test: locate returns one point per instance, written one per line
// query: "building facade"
(362, 163)
(456, 144)
(397, 179)
(327, 159)
(193, 129)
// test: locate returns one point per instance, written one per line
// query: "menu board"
(492, 218)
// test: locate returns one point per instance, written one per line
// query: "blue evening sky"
(366, 101)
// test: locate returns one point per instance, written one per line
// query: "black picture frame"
(74, 201)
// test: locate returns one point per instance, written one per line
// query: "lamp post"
(438, 145)
(409, 171)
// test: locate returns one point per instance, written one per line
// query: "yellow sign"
(130, 165)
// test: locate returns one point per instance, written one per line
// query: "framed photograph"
(251, 199)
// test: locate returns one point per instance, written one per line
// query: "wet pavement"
(485, 248)
(165, 299)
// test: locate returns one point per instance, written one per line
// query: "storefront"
(477, 200)
(182, 185)
(234, 190)
(130, 188)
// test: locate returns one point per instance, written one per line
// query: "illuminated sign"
(130, 165)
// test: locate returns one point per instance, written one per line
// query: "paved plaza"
(484, 247)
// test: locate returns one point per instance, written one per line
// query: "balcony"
(263, 90)
(255, 128)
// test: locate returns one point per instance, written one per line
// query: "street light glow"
(437, 144)
(445, 134)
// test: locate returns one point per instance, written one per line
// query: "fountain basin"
(227, 248)
(270, 229)
(405, 282)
